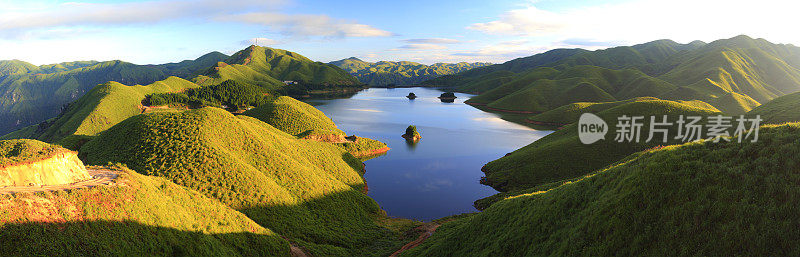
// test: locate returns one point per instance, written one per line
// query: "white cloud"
(432, 41)
(645, 20)
(308, 25)
(261, 41)
(18, 20)
(528, 21)
(76, 14)
(422, 46)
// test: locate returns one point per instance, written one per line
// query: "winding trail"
(99, 177)
(428, 230)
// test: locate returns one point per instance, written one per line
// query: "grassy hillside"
(26, 150)
(294, 117)
(269, 67)
(561, 155)
(385, 73)
(308, 191)
(568, 114)
(11, 67)
(733, 75)
(545, 89)
(714, 199)
(139, 215)
(29, 98)
(101, 108)
(779, 110)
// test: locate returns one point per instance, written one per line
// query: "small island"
(412, 134)
(411, 96)
(447, 97)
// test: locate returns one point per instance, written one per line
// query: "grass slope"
(703, 198)
(101, 108)
(779, 110)
(29, 98)
(734, 75)
(140, 215)
(305, 190)
(294, 117)
(545, 89)
(560, 155)
(568, 114)
(269, 67)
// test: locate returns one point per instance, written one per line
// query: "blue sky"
(144, 32)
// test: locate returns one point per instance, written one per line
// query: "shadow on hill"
(345, 223)
(126, 238)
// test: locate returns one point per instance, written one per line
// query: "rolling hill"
(29, 98)
(561, 155)
(780, 110)
(98, 110)
(270, 67)
(733, 75)
(700, 198)
(308, 191)
(386, 73)
(30, 94)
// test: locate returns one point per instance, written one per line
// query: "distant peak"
(354, 59)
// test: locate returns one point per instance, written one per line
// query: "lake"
(438, 176)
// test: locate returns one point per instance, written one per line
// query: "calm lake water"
(439, 176)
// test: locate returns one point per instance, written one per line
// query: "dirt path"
(428, 230)
(99, 177)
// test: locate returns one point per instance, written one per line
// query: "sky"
(152, 32)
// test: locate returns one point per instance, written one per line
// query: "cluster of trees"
(304, 88)
(235, 95)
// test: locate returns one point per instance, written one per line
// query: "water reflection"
(438, 175)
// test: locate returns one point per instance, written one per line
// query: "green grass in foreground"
(138, 216)
(701, 198)
(305, 190)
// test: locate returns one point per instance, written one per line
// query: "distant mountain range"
(734, 75)
(401, 73)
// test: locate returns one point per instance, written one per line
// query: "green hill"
(568, 114)
(779, 110)
(545, 89)
(11, 67)
(29, 98)
(733, 75)
(269, 67)
(714, 199)
(138, 215)
(560, 155)
(308, 191)
(294, 117)
(101, 108)
(385, 73)
(31, 94)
